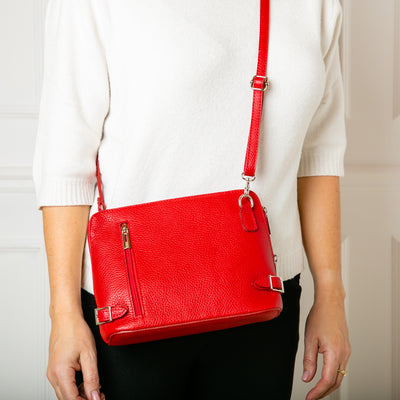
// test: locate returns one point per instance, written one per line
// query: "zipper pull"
(125, 236)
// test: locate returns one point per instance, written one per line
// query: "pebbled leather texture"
(195, 266)
(190, 264)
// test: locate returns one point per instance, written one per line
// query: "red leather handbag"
(189, 264)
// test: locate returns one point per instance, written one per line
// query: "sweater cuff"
(324, 163)
(65, 192)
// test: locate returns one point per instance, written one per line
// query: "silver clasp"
(248, 179)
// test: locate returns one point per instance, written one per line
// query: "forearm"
(64, 234)
(319, 208)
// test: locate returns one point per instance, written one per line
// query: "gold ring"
(342, 371)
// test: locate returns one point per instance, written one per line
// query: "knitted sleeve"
(325, 142)
(74, 103)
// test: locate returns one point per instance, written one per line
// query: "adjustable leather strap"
(269, 282)
(109, 313)
(259, 84)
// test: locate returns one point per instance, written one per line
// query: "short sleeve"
(325, 142)
(73, 106)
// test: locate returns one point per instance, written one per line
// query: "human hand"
(72, 348)
(326, 332)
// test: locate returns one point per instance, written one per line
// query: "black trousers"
(246, 362)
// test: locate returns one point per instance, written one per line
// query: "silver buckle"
(96, 310)
(282, 290)
(265, 83)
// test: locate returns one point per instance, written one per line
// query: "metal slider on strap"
(265, 83)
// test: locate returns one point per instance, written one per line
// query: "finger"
(58, 393)
(91, 382)
(52, 379)
(310, 360)
(83, 395)
(334, 387)
(339, 380)
(328, 376)
(67, 384)
(81, 389)
(340, 376)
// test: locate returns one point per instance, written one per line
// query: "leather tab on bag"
(269, 282)
(109, 313)
(247, 217)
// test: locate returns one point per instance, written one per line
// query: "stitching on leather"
(191, 322)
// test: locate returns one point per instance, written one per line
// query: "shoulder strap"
(259, 84)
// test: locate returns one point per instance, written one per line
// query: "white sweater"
(161, 88)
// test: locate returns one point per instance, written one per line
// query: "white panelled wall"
(370, 46)
(370, 205)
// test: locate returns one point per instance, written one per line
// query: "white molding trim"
(363, 176)
(31, 111)
(14, 245)
(16, 173)
(39, 45)
(20, 112)
(395, 318)
(16, 179)
(345, 55)
(396, 61)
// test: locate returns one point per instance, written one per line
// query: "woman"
(160, 90)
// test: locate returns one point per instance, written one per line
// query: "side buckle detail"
(96, 315)
(279, 289)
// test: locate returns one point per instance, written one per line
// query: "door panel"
(370, 46)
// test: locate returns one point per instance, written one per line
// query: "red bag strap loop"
(259, 84)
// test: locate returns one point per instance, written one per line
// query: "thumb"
(310, 360)
(91, 382)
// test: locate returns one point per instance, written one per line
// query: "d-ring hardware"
(248, 196)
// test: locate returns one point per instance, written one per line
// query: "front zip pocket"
(131, 269)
